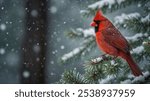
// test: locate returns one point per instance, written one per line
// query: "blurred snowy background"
(62, 15)
(11, 31)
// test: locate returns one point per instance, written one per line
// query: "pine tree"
(105, 69)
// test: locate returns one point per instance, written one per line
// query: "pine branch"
(138, 80)
(95, 72)
(110, 79)
(72, 77)
(96, 69)
(103, 70)
(81, 33)
(127, 79)
(133, 21)
(109, 6)
(141, 50)
(86, 46)
(146, 7)
(146, 53)
(138, 50)
(72, 54)
(137, 37)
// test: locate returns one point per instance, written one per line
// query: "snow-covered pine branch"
(101, 59)
(141, 79)
(81, 33)
(136, 37)
(146, 19)
(107, 5)
(128, 80)
(96, 69)
(86, 45)
(138, 50)
(108, 80)
(124, 17)
(73, 53)
(130, 20)
(86, 32)
(82, 50)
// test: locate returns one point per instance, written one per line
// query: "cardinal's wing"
(113, 37)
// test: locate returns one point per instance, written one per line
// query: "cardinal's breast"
(104, 46)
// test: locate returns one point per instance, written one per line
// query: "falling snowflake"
(2, 51)
(52, 62)
(34, 13)
(36, 48)
(139, 5)
(64, 22)
(62, 47)
(53, 9)
(7, 45)
(54, 52)
(2, 8)
(2, 27)
(12, 59)
(52, 74)
(38, 59)
(26, 74)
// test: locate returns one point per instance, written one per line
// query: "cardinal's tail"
(133, 66)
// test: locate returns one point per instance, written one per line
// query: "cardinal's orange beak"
(93, 24)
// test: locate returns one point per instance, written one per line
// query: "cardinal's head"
(97, 20)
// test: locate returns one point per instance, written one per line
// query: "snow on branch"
(133, 21)
(71, 54)
(81, 33)
(97, 60)
(107, 5)
(103, 3)
(107, 80)
(139, 79)
(99, 5)
(102, 58)
(87, 32)
(146, 19)
(104, 62)
(138, 50)
(136, 37)
(87, 44)
(124, 17)
(129, 80)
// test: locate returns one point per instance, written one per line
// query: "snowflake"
(2, 51)
(34, 13)
(52, 62)
(53, 9)
(2, 8)
(2, 27)
(36, 48)
(62, 47)
(26, 74)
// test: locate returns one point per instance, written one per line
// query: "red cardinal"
(110, 40)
